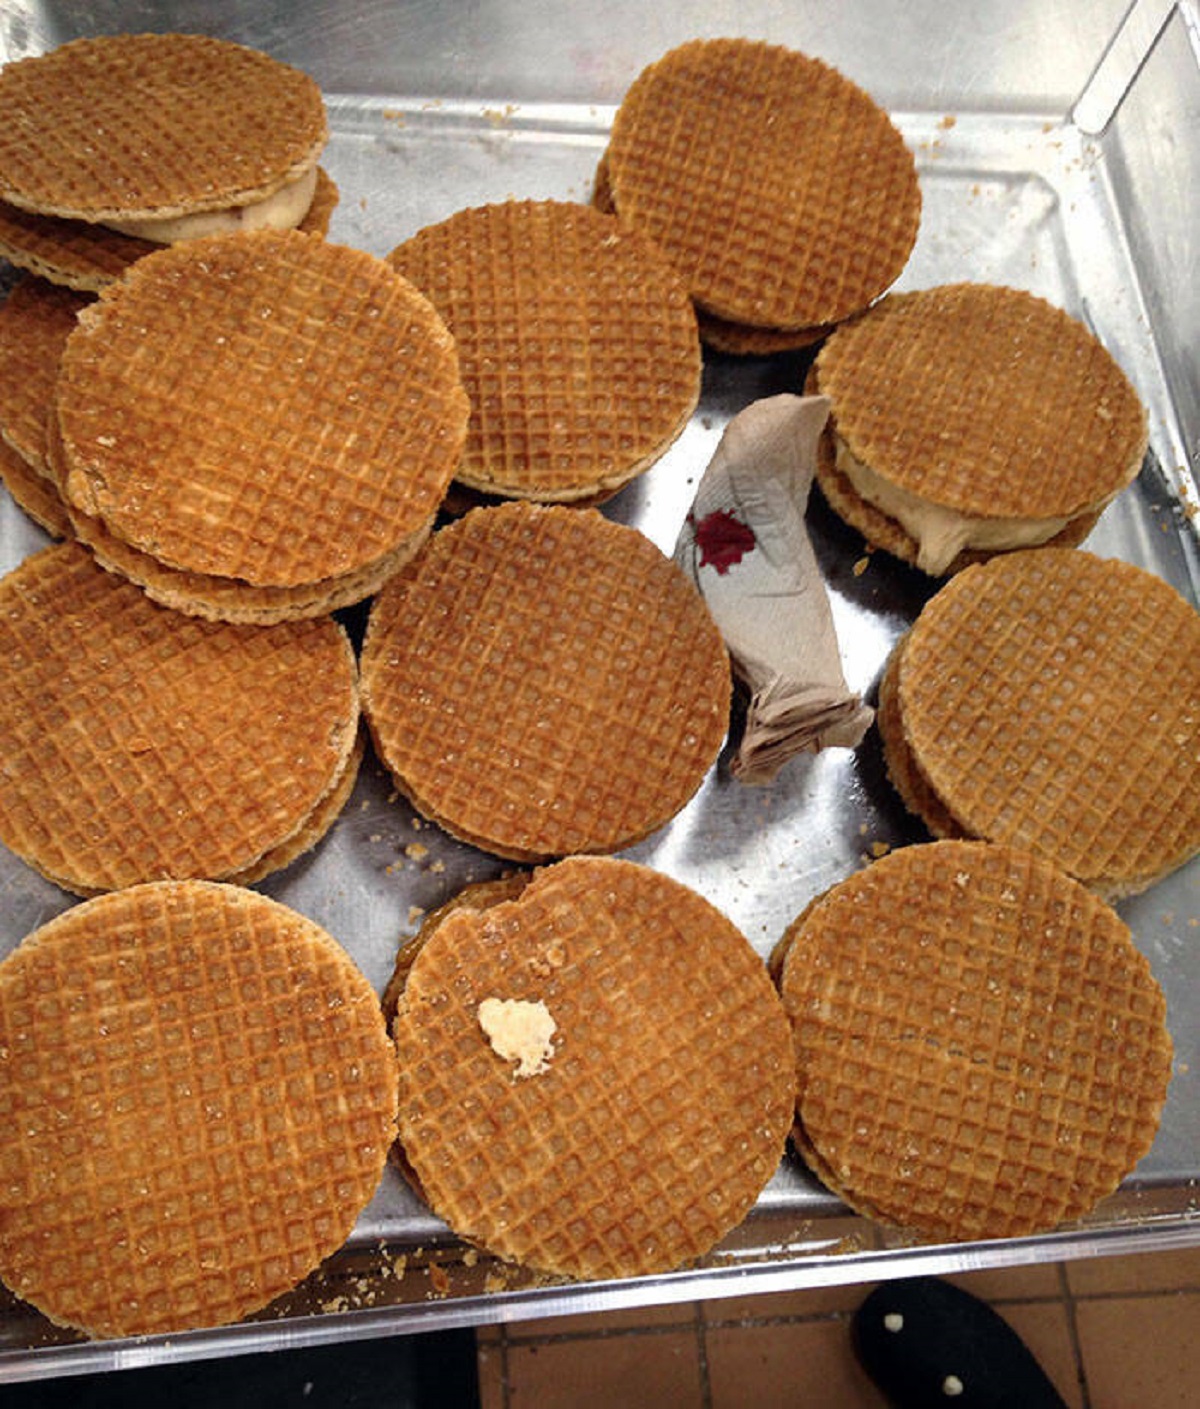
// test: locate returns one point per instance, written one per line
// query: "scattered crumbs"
(1168, 917)
(862, 829)
(1047, 126)
(977, 189)
(375, 838)
(364, 804)
(861, 566)
(879, 848)
(416, 824)
(416, 851)
(393, 795)
(1194, 922)
(948, 121)
(415, 914)
(437, 867)
(432, 103)
(336, 1304)
(439, 1279)
(499, 116)
(470, 1257)
(495, 1282)
(962, 880)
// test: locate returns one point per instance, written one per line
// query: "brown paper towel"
(746, 547)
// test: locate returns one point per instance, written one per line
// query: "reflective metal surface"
(436, 106)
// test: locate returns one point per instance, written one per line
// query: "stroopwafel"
(267, 408)
(652, 1103)
(197, 1097)
(779, 189)
(969, 419)
(542, 681)
(1051, 698)
(981, 1049)
(576, 340)
(140, 744)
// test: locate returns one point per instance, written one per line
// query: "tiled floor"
(1111, 1332)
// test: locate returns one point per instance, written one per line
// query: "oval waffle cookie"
(576, 340)
(779, 189)
(981, 1049)
(979, 401)
(153, 125)
(267, 407)
(197, 1096)
(1051, 698)
(542, 681)
(140, 744)
(646, 1126)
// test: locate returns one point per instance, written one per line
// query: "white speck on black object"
(952, 1386)
(893, 1321)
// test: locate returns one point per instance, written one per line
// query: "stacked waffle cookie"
(558, 1052)
(981, 1048)
(970, 419)
(1050, 698)
(257, 427)
(542, 681)
(142, 744)
(122, 142)
(780, 190)
(197, 1097)
(577, 345)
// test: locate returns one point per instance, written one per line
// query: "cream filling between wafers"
(520, 1031)
(283, 210)
(940, 533)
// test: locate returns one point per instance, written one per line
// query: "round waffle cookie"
(777, 187)
(580, 1155)
(1051, 699)
(267, 407)
(981, 1049)
(35, 321)
(132, 127)
(542, 681)
(198, 1095)
(973, 417)
(576, 340)
(140, 744)
(89, 257)
(34, 494)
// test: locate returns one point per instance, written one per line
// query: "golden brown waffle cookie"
(984, 401)
(480, 895)
(35, 321)
(1051, 699)
(267, 407)
(744, 340)
(664, 1021)
(903, 773)
(778, 188)
(153, 125)
(981, 1049)
(542, 681)
(141, 744)
(89, 257)
(34, 494)
(197, 1096)
(576, 340)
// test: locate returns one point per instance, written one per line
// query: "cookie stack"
(576, 340)
(114, 144)
(257, 427)
(781, 191)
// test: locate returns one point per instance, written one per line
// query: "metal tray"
(1019, 188)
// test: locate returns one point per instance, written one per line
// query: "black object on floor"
(925, 1342)
(432, 1370)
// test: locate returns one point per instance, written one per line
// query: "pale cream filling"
(283, 210)
(940, 533)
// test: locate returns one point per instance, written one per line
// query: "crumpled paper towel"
(746, 547)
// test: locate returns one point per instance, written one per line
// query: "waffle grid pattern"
(1037, 420)
(779, 189)
(267, 407)
(36, 319)
(981, 1048)
(542, 681)
(139, 743)
(146, 124)
(1051, 698)
(576, 341)
(197, 1097)
(666, 1023)
(36, 495)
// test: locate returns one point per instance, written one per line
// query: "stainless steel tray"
(1022, 186)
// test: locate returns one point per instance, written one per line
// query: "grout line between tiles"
(1068, 1301)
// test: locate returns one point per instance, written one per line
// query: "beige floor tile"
(1141, 1351)
(799, 1364)
(1137, 1272)
(1025, 1283)
(1045, 1327)
(489, 1362)
(647, 1370)
(805, 1303)
(601, 1323)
